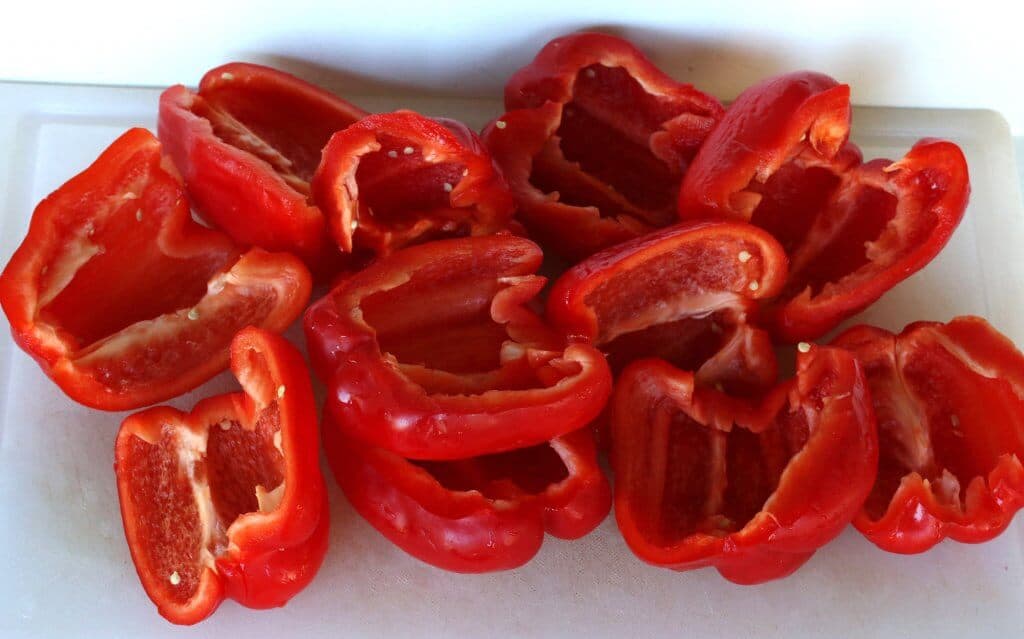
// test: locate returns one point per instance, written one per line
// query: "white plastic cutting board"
(65, 569)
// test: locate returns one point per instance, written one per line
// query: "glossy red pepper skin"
(433, 353)
(479, 514)
(885, 221)
(122, 298)
(753, 489)
(802, 116)
(684, 294)
(780, 159)
(247, 144)
(397, 179)
(951, 427)
(595, 142)
(252, 523)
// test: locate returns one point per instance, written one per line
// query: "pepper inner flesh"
(290, 161)
(702, 480)
(666, 307)
(601, 155)
(507, 475)
(119, 237)
(839, 243)
(458, 347)
(942, 420)
(399, 185)
(185, 498)
(791, 199)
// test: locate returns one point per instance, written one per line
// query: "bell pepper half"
(227, 500)
(885, 221)
(479, 514)
(780, 159)
(247, 144)
(397, 179)
(751, 488)
(434, 353)
(123, 299)
(950, 406)
(683, 294)
(595, 142)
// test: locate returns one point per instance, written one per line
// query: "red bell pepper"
(434, 353)
(596, 141)
(401, 178)
(479, 514)
(122, 298)
(885, 221)
(780, 159)
(703, 479)
(950, 406)
(683, 294)
(227, 500)
(248, 144)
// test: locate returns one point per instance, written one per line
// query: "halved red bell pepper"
(248, 144)
(596, 141)
(401, 178)
(479, 514)
(703, 479)
(683, 294)
(227, 500)
(122, 298)
(434, 353)
(950, 406)
(780, 160)
(884, 222)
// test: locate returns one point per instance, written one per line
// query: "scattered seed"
(138, 215)
(745, 256)
(754, 285)
(408, 150)
(355, 224)
(465, 172)
(130, 196)
(280, 391)
(193, 314)
(227, 76)
(501, 124)
(447, 187)
(175, 578)
(590, 73)
(392, 154)
(225, 424)
(803, 347)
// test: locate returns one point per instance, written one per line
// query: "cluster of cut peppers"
(463, 417)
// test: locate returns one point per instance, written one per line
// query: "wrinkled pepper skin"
(227, 500)
(124, 300)
(780, 159)
(247, 144)
(434, 353)
(397, 179)
(951, 427)
(595, 142)
(751, 488)
(474, 515)
(683, 294)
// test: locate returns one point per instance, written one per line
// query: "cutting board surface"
(67, 572)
